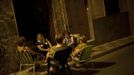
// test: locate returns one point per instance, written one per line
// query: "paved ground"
(108, 47)
(120, 62)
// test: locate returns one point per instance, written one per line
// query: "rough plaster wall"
(111, 28)
(123, 5)
(8, 35)
(77, 17)
(98, 8)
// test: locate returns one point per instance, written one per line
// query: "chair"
(62, 57)
(85, 55)
(25, 59)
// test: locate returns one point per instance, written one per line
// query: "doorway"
(32, 17)
(111, 7)
(78, 17)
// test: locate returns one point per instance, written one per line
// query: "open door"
(32, 17)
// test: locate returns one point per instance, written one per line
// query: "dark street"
(119, 62)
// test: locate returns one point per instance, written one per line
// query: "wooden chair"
(25, 59)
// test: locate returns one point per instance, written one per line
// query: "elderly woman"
(78, 49)
(22, 46)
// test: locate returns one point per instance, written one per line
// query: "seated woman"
(79, 48)
(43, 46)
(68, 39)
(21, 46)
(58, 47)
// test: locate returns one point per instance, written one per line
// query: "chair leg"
(49, 64)
(34, 70)
(20, 69)
(58, 70)
(92, 65)
(69, 69)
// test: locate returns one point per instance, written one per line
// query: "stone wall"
(8, 35)
(59, 16)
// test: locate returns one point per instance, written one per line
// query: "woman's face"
(67, 36)
(40, 37)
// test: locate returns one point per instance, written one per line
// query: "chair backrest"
(63, 55)
(24, 57)
(86, 53)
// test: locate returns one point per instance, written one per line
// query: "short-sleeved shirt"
(44, 44)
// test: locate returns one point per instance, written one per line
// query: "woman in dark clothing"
(43, 45)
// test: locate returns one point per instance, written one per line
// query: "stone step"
(111, 46)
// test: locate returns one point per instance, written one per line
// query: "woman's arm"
(72, 39)
(31, 51)
(50, 45)
(76, 52)
(40, 48)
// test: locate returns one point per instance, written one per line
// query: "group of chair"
(25, 59)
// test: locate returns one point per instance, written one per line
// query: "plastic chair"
(85, 55)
